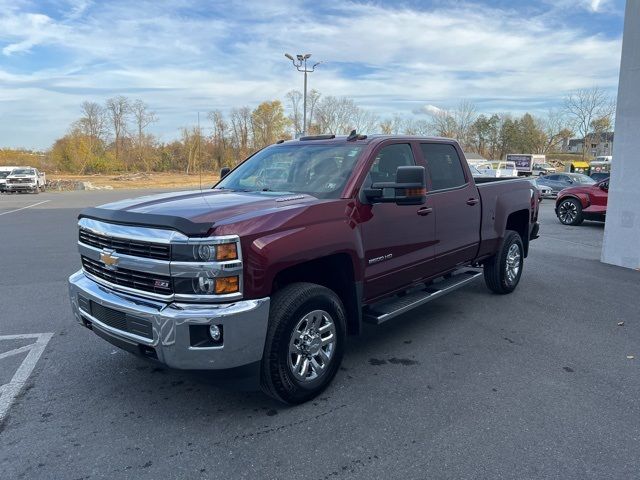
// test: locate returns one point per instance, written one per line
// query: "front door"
(599, 195)
(398, 239)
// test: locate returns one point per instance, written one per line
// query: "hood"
(193, 213)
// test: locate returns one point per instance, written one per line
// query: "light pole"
(300, 62)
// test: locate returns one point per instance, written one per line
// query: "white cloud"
(428, 109)
(390, 59)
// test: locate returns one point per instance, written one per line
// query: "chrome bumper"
(244, 327)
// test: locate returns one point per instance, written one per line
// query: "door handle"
(472, 201)
(425, 211)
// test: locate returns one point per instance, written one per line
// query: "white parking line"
(9, 391)
(28, 206)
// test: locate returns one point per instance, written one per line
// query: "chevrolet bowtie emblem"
(109, 259)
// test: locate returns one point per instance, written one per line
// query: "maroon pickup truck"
(270, 270)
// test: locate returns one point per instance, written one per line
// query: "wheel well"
(334, 272)
(519, 222)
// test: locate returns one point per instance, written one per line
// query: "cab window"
(443, 165)
(388, 160)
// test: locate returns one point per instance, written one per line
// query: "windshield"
(23, 171)
(583, 179)
(4, 174)
(318, 170)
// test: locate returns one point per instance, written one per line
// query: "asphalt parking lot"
(537, 384)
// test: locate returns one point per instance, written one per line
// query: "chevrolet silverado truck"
(26, 179)
(267, 273)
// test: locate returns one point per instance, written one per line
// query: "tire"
(502, 272)
(42, 188)
(36, 190)
(569, 212)
(295, 310)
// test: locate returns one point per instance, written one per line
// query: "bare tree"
(458, 123)
(143, 117)
(92, 125)
(556, 128)
(219, 136)
(341, 115)
(444, 124)
(416, 127)
(392, 126)
(118, 110)
(93, 120)
(584, 106)
(295, 103)
(465, 115)
(240, 130)
(363, 120)
(312, 100)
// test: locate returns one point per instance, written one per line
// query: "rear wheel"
(570, 212)
(305, 342)
(503, 271)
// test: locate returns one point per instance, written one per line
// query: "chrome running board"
(392, 307)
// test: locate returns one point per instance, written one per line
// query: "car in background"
(475, 173)
(539, 169)
(560, 181)
(583, 202)
(544, 190)
(505, 169)
(483, 167)
(4, 173)
(599, 176)
(26, 179)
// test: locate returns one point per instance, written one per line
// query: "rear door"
(456, 204)
(397, 239)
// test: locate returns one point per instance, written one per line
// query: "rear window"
(443, 165)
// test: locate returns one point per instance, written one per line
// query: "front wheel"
(305, 342)
(502, 272)
(570, 212)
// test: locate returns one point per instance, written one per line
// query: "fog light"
(215, 332)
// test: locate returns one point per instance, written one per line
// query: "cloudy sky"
(392, 57)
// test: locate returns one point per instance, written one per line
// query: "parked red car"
(583, 202)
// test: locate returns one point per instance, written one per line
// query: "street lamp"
(300, 62)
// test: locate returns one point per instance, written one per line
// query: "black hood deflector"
(123, 217)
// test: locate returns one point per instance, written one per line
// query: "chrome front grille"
(146, 282)
(138, 260)
(136, 248)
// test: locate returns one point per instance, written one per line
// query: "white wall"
(622, 229)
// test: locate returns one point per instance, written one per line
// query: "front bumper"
(18, 187)
(170, 334)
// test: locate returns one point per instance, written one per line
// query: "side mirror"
(410, 188)
(224, 171)
(604, 186)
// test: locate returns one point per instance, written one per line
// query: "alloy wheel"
(312, 345)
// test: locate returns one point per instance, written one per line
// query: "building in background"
(598, 144)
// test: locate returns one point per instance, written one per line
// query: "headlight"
(204, 252)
